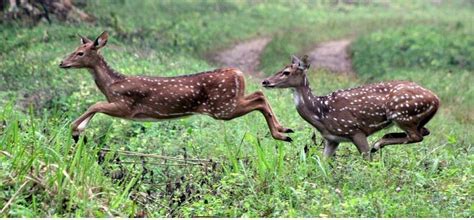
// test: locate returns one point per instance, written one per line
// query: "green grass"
(255, 175)
(424, 47)
(350, 22)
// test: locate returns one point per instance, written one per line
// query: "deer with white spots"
(353, 114)
(218, 93)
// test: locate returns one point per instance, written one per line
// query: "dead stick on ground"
(163, 164)
(130, 153)
(6, 153)
(38, 181)
(14, 196)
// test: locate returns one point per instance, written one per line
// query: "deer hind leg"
(330, 148)
(424, 131)
(412, 135)
(395, 135)
(260, 95)
(360, 141)
(247, 105)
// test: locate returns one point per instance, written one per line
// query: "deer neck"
(309, 106)
(104, 76)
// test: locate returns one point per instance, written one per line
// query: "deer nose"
(61, 64)
(265, 82)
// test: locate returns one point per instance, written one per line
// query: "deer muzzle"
(267, 84)
(64, 66)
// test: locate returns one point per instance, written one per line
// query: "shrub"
(418, 47)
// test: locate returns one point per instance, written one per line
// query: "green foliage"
(446, 41)
(60, 177)
(45, 174)
(433, 48)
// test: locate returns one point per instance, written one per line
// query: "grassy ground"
(44, 173)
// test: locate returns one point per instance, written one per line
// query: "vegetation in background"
(354, 22)
(43, 173)
(422, 47)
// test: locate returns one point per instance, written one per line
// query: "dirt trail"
(330, 55)
(244, 55)
(333, 56)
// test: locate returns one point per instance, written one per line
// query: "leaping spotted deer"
(218, 93)
(354, 114)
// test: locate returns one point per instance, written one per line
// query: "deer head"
(292, 75)
(86, 55)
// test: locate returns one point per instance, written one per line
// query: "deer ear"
(101, 40)
(295, 59)
(305, 61)
(84, 40)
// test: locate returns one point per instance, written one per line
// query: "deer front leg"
(330, 147)
(360, 141)
(260, 95)
(80, 123)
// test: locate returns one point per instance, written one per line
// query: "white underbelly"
(336, 138)
(147, 119)
(159, 116)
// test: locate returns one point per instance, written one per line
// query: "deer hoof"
(288, 139)
(373, 150)
(75, 137)
(367, 156)
(289, 130)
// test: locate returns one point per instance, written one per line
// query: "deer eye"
(80, 54)
(286, 73)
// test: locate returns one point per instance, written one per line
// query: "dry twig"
(156, 156)
(14, 196)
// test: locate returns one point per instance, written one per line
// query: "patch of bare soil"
(244, 55)
(332, 56)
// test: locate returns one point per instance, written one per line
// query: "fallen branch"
(40, 183)
(156, 156)
(162, 164)
(6, 153)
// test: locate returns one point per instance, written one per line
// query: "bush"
(418, 47)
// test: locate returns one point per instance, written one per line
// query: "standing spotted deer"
(218, 93)
(353, 114)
